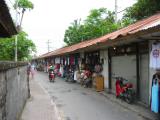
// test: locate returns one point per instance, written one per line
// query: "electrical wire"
(122, 10)
(11, 2)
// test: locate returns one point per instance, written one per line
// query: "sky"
(50, 18)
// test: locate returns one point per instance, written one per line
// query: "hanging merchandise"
(61, 70)
(65, 61)
(68, 63)
(76, 59)
(57, 60)
(155, 56)
(98, 68)
(72, 60)
(155, 95)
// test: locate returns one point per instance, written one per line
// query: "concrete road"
(77, 103)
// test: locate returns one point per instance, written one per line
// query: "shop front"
(91, 59)
(155, 76)
(123, 64)
(131, 62)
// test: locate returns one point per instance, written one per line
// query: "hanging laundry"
(57, 60)
(61, 70)
(155, 96)
(71, 60)
(155, 56)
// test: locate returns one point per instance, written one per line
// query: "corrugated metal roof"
(131, 29)
(7, 27)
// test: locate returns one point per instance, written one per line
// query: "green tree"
(98, 22)
(72, 34)
(142, 9)
(25, 47)
(125, 21)
(23, 5)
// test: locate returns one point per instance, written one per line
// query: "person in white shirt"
(32, 71)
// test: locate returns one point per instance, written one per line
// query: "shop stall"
(132, 63)
(155, 82)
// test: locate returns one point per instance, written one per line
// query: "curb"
(127, 107)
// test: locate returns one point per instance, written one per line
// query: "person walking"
(28, 69)
(32, 71)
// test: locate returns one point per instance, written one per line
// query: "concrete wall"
(3, 92)
(104, 56)
(14, 91)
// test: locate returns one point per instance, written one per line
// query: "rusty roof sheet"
(131, 29)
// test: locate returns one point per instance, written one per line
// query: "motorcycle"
(124, 91)
(51, 76)
(69, 74)
(86, 79)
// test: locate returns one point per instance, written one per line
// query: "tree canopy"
(142, 9)
(25, 47)
(98, 22)
(23, 5)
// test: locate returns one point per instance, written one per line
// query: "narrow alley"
(102, 62)
(72, 102)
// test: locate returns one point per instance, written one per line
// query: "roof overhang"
(144, 30)
(7, 27)
(140, 36)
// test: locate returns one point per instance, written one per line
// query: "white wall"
(104, 55)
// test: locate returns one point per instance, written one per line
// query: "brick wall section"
(13, 90)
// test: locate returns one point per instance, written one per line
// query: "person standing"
(32, 70)
(29, 69)
(28, 74)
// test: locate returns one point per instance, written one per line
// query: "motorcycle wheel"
(129, 96)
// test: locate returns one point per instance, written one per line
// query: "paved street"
(77, 103)
(39, 105)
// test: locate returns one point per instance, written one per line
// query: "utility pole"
(16, 48)
(116, 10)
(48, 45)
(16, 36)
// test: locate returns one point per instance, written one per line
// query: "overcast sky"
(50, 18)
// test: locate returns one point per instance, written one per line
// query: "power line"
(122, 10)
(116, 8)
(11, 2)
(12, 6)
